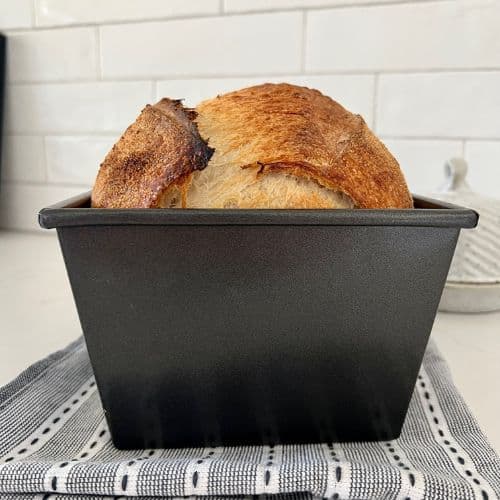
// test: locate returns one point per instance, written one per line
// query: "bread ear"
(153, 158)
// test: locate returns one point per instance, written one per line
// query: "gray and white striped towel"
(54, 444)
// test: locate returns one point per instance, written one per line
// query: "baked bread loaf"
(273, 145)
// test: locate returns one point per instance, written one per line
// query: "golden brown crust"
(159, 151)
(301, 132)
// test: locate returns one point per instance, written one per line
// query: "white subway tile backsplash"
(406, 36)
(64, 12)
(20, 203)
(484, 166)
(355, 92)
(463, 104)
(16, 14)
(422, 161)
(257, 43)
(52, 55)
(23, 158)
(75, 108)
(257, 5)
(76, 160)
(424, 74)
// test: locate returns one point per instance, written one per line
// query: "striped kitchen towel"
(55, 444)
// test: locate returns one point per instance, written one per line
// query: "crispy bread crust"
(159, 151)
(301, 132)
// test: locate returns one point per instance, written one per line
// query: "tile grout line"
(47, 184)
(68, 133)
(456, 138)
(342, 5)
(45, 160)
(303, 43)
(34, 22)
(122, 22)
(375, 101)
(53, 133)
(221, 76)
(98, 53)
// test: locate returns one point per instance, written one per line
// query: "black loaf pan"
(229, 327)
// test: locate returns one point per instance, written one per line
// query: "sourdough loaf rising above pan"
(274, 146)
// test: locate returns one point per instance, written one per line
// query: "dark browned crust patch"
(159, 150)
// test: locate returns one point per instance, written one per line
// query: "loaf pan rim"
(435, 213)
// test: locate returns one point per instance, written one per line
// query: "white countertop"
(38, 316)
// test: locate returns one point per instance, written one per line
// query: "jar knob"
(455, 171)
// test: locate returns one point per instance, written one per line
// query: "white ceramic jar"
(473, 283)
